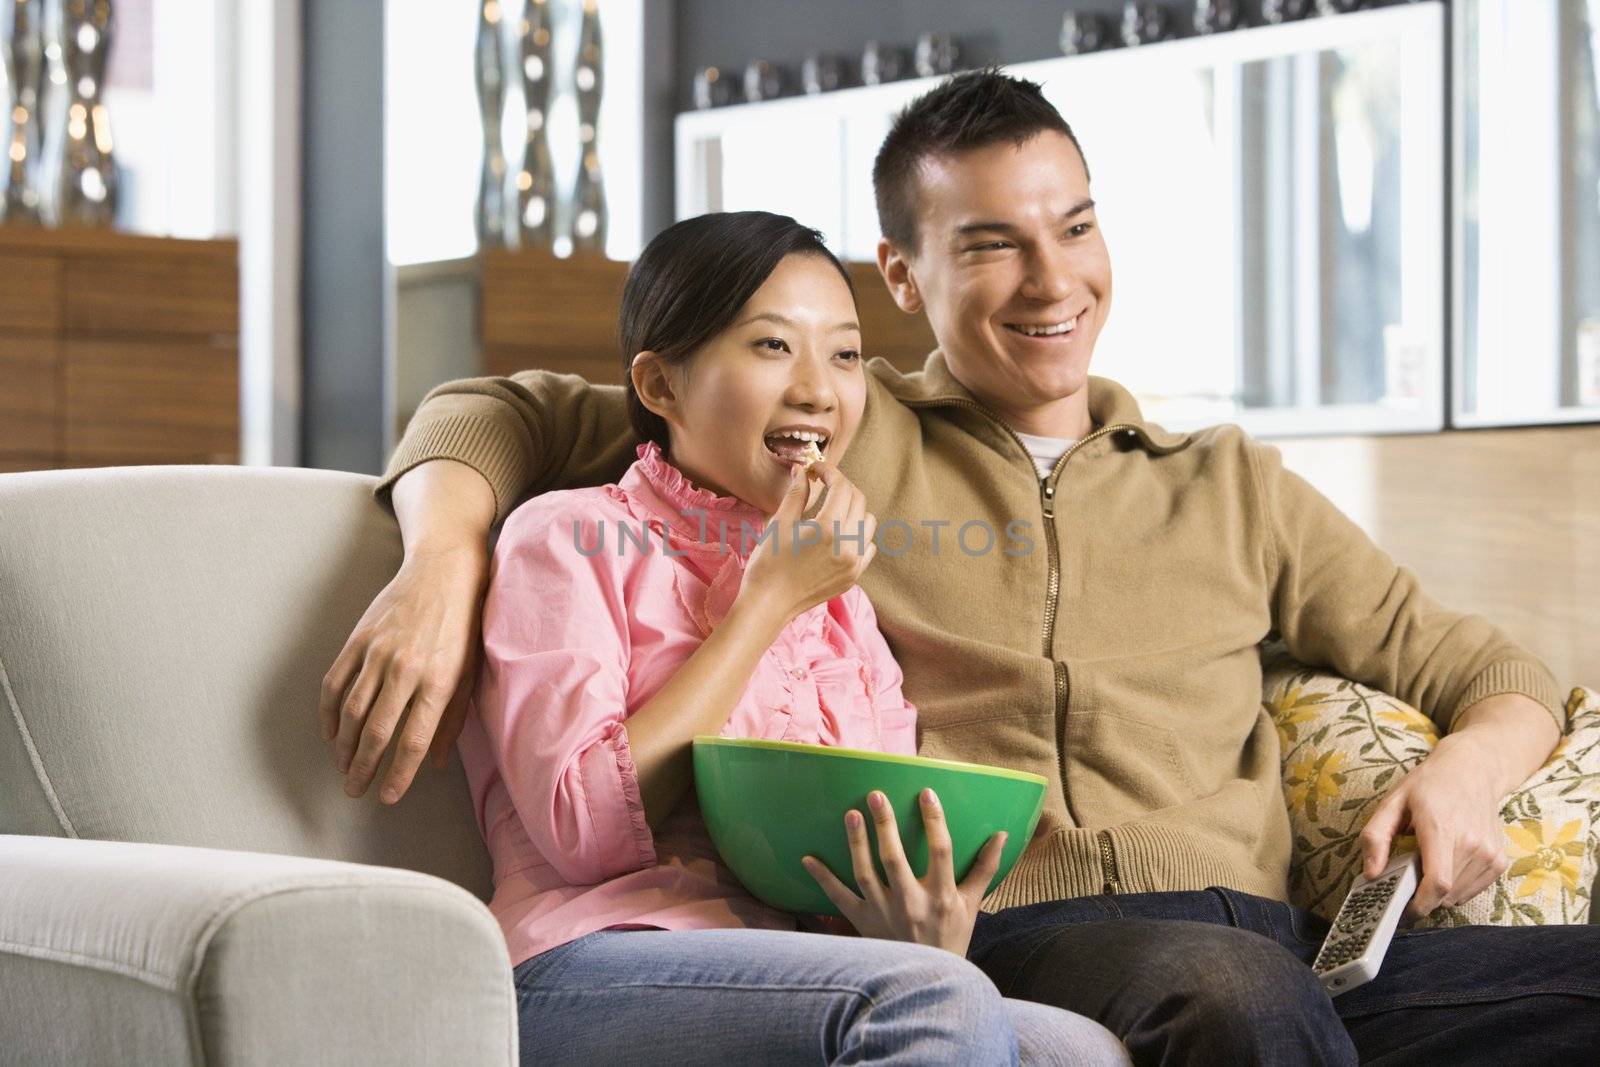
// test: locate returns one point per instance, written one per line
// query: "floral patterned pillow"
(1346, 745)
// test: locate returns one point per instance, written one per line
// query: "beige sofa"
(182, 879)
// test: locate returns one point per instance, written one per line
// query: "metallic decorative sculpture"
(86, 180)
(711, 89)
(1083, 32)
(23, 52)
(883, 63)
(536, 181)
(1144, 22)
(1276, 11)
(937, 53)
(491, 106)
(589, 215)
(765, 81)
(1217, 16)
(821, 74)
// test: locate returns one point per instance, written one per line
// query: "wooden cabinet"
(551, 314)
(30, 402)
(117, 349)
(561, 315)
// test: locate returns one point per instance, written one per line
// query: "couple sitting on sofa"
(1103, 632)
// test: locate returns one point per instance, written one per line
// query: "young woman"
(622, 621)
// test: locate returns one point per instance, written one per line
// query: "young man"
(1116, 655)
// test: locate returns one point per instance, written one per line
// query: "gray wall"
(342, 257)
(436, 331)
(731, 33)
(660, 105)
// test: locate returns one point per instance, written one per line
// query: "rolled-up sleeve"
(552, 695)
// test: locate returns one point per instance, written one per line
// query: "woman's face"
(789, 366)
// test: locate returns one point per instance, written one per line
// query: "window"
(433, 147)
(1528, 212)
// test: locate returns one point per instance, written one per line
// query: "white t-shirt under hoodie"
(1045, 450)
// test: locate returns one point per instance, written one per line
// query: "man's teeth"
(801, 435)
(1045, 331)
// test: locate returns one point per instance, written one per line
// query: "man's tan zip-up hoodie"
(1107, 639)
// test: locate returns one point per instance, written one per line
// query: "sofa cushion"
(163, 639)
(1346, 745)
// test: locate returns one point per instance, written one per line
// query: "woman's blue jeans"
(774, 997)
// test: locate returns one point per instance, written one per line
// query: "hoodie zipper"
(1108, 864)
(1108, 858)
(1047, 498)
(1047, 501)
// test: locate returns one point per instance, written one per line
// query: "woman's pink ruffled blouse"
(576, 636)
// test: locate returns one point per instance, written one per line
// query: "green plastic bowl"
(768, 803)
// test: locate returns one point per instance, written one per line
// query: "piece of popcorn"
(811, 455)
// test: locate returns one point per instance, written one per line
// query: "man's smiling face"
(1014, 276)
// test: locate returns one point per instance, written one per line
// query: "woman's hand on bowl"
(932, 910)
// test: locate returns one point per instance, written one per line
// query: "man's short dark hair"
(971, 110)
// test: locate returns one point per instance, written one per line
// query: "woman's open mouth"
(794, 446)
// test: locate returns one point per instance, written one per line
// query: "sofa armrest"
(133, 953)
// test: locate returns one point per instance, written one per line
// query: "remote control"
(1353, 950)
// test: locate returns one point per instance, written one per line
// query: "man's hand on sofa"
(1451, 800)
(416, 647)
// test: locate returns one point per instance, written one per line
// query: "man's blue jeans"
(1218, 976)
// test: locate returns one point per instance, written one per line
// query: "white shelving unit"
(1164, 128)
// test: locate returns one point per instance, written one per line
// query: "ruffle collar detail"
(677, 490)
(658, 494)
